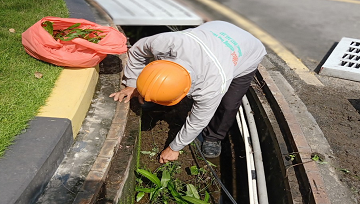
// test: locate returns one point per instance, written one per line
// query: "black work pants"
(225, 114)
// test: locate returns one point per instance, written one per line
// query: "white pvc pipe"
(245, 134)
(249, 149)
(262, 189)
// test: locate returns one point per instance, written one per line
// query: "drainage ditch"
(151, 131)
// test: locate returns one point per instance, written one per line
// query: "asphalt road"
(308, 28)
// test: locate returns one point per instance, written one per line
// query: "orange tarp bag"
(74, 53)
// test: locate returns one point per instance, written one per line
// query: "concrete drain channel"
(100, 166)
(106, 172)
(286, 181)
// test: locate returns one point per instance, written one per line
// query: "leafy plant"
(292, 157)
(192, 191)
(166, 189)
(318, 159)
(151, 153)
(73, 32)
(194, 170)
(203, 180)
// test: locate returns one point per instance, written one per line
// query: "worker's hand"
(168, 155)
(126, 94)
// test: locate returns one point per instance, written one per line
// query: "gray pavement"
(30, 162)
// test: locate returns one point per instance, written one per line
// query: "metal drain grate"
(344, 61)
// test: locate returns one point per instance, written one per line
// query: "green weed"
(318, 159)
(154, 151)
(165, 188)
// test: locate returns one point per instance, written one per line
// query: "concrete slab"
(149, 12)
(33, 158)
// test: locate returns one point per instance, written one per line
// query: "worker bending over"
(213, 64)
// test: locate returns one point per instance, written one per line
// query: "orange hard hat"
(163, 82)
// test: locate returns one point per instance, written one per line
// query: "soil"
(158, 128)
(336, 111)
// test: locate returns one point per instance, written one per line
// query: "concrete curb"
(99, 170)
(33, 158)
(310, 173)
(96, 177)
(71, 96)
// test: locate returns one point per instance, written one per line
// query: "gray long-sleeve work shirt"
(214, 53)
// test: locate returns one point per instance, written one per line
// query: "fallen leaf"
(12, 30)
(38, 75)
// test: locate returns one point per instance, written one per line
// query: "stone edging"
(310, 173)
(96, 177)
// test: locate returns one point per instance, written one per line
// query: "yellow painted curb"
(71, 96)
(292, 61)
(349, 1)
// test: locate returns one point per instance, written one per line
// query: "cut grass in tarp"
(21, 93)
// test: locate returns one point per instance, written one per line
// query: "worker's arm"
(201, 114)
(138, 56)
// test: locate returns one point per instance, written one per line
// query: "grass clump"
(22, 91)
(162, 186)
